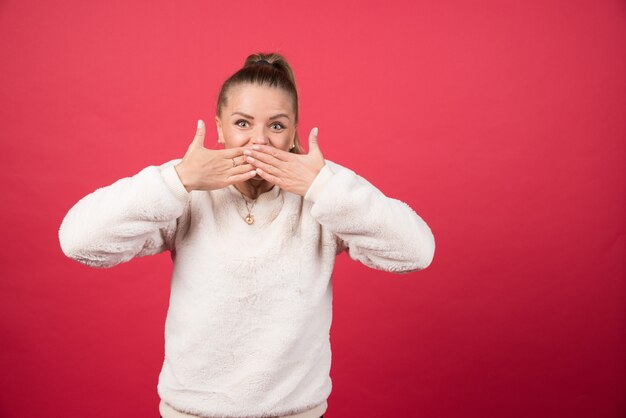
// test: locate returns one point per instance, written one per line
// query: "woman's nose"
(260, 138)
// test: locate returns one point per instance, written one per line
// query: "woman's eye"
(278, 126)
(242, 123)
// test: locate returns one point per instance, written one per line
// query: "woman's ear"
(218, 124)
(293, 138)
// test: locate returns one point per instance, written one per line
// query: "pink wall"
(501, 123)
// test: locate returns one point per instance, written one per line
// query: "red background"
(501, 123)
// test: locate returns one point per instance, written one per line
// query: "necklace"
(249, 218)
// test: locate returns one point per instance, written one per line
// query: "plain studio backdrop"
(502, 123)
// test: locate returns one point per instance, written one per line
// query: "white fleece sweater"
(247, 329)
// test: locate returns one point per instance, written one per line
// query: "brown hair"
(274, 72)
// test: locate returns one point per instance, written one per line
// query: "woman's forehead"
(256, 97)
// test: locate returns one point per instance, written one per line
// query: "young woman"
(253, 230)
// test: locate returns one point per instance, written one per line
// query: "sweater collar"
(271, 194)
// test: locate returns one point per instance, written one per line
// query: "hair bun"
(272, 60)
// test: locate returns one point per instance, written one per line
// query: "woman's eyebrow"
(242, 114)
(280, 115)
(252, 117)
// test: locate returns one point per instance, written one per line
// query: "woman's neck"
(253, 188)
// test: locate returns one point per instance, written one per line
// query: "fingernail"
(247, 152)
(200, 123)
(256, 147)
(315, 131)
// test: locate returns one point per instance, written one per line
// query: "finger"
(240, 161)
(269, 177)
(265, 158)
(274, 152)
(241, 177)
(240, 169)
(268, 168)
(198, 140)
(231, 152)
(313, 144)
(237, 161)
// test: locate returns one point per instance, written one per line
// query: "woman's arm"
(138, 215)
(380, 232)
(133, 217)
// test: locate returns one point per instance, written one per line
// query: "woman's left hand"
(291, 172)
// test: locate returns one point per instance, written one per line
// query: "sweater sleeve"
(133, 217)
(380, 232)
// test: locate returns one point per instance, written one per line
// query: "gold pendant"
(249, 220)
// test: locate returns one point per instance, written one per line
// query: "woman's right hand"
(208, 169)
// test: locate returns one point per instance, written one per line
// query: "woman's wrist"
(183, 176)
(173, 182)
(319, 183)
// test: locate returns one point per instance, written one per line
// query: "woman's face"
(256, 114)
